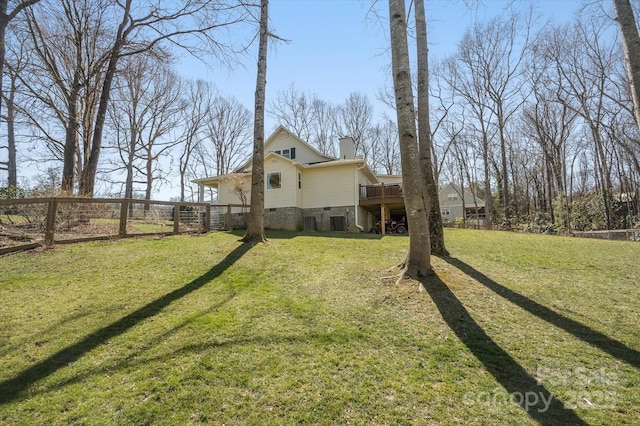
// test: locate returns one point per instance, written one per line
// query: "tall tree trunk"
(488, 196)
(255, 225)
(504, 166)
(4, 21)
(88, 178)
(418, 263)
(436, 231)
(71, 138)
(12, 167)
(631, 46)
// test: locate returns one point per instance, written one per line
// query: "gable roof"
(322, 160)
(469, 198)
(282, 129)
(274, 137)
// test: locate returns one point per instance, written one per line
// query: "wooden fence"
(30, 223)
(614, 234)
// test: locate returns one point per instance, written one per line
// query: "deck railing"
(380, 192)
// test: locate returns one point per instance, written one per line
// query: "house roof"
(214, 180)
(326, 161)
(469, 198)
(281, 129)
(276, 133)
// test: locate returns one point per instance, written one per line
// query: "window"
(445, 211)
(299, 180)
(287, 153)
(452, 196)
(274, 181)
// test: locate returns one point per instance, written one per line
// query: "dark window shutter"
(293, 153)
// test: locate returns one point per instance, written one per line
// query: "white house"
(307, 190)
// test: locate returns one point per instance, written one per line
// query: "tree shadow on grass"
(10, 389)
(44, 334)
(523, 389)
(603, 342)
(169, 357)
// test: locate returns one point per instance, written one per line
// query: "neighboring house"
(307, 190)
(456, 204)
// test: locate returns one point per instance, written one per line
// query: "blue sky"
(335, 48)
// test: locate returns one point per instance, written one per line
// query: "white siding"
(390, 179)
(227, 193)
(299, 189)
(329, 186)
(285, 196)
(304, 154)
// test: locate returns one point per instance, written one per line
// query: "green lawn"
(512, 329)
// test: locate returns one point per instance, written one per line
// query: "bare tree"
(324, 134)
(470, 90)
(308, 117)
(194, 117)
(66, 44)
(294, 110)
(157, 141)
(146, 109)
(255, 225)
(6, 16)
(15, 65)
(549, 121)
(354, 119)
(494, 53)
(418, 262)
(631, 45)
(385, 153)
(587, 63)
(146, 26)
(228, 133)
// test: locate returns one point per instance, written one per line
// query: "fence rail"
(32, 222)
(614, 234)
(226, 217)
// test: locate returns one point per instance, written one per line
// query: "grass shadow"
(603, 342)
(11, 389)
(522, 388)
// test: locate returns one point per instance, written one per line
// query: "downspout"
(357, 198)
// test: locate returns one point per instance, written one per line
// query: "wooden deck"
(383, 201)
(381, 194)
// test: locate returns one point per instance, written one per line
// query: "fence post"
(207, 218)
(51, 222)
(176, 218)
(229, 224)
(124, 213)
